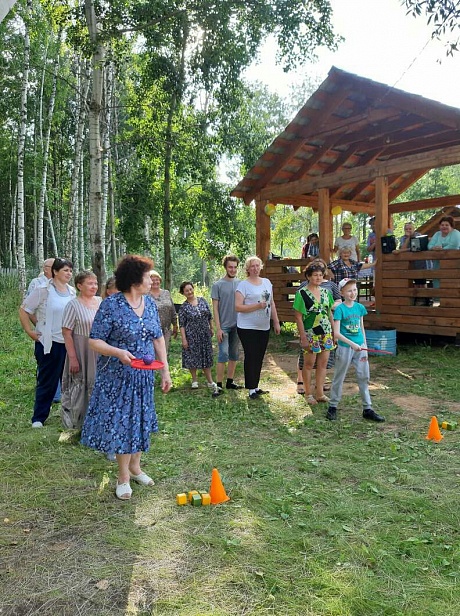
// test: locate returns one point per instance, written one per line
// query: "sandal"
(143, 479)
(327, 388)
(123, 491)
(300, 390)
(311, 399)
(323, 398)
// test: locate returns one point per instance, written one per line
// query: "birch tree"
(20, 198)
(97, 239)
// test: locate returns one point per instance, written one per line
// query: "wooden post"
(324, 224)
(381, 228)
(262, 231)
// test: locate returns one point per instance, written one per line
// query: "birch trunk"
(175, 98)
(83, 82)
(20, 198)
(45, 150)
(95, 150)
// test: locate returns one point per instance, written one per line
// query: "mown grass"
(348, 518)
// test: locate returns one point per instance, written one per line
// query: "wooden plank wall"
(284, 283)
(397, 309)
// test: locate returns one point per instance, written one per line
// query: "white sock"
(252, 391)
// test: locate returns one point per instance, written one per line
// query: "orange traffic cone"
(434, 433)
(217, 490)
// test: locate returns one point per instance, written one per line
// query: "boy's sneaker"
(233, 386)
(331, 413)
(216, 391)
(195, 385)
(372, 415)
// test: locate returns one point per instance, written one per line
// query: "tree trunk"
(95, 150)
(83, 82)
(21, 151)
(175, 98)
(45, 152)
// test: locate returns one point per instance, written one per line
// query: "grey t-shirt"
(224, 291)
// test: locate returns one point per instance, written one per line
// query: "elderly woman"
(346, 267)
(447, 238)
(347, 240)
(255, 307)
(121, 414)
(334, 289)
(44, 308)
(312, 311)
(195, 322)
(165, 306)
(80, 364)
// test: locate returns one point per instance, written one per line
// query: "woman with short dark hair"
(41, 318)
(121, 414)
(195, 324)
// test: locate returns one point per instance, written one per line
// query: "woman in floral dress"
(195, 323)
(121, 414)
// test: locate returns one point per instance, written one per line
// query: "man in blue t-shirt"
(351, 349)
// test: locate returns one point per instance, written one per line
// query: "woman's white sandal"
(123, 491)
(143, 479)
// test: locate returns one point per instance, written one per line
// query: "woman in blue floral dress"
(121, 413)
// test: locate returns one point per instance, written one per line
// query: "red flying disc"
(139, 364)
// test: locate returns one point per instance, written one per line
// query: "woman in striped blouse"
(80, 364)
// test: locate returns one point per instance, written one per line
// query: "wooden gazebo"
(359, 144)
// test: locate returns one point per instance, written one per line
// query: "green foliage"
(442, 15)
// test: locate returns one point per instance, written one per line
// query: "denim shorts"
(228, 348)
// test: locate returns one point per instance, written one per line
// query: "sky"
(381, 43)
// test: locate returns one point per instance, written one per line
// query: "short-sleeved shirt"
(350, 243)
(253, 294)
(350, 322)
(341, 270)
(224, 292)
(78, 317)
(315, 314)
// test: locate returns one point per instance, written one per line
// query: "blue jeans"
(228, 348)
(49, 372)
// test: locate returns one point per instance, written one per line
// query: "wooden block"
(181, 499)
(205, 498)
(449, 425)
(196, 500)
(191, 494)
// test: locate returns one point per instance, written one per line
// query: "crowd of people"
(85, 345)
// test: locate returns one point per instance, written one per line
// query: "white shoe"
(195, 385)
(37, 424)
(212, 385)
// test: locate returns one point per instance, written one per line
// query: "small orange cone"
(434, 433)
(217, 490)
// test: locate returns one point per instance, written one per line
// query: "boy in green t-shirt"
(351, 338)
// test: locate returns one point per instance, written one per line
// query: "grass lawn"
(325, 519)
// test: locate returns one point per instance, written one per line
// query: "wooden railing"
(400, 306)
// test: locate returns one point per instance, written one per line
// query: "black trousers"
(254, 343)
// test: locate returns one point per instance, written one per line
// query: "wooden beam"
(381, 227)
(324, 224)
(262, 230)
(414, 162)
(424, 204)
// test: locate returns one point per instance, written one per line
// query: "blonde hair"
(249, 260)
(155, 273)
